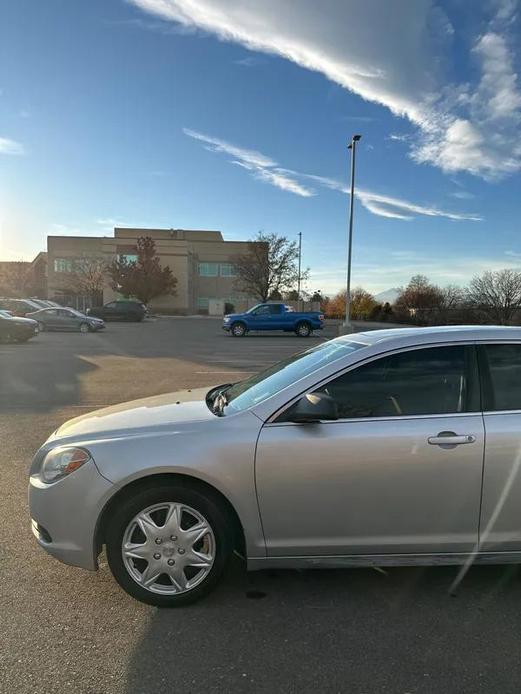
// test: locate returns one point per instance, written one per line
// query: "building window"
(208, 269)
(127, 257)
(228, 270)
(63, 265)
(203, 302)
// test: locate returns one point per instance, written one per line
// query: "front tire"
(303, 329)
(41, 327)
(238, 330)
(84, 328)
(168, 545)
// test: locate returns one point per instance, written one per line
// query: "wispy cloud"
(384, 53)
(266, 169)
(389, 206)
(462, 195)
(8, 146)
(399, 138)
(249, 61)
(260, 166)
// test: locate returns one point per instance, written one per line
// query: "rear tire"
(238, 330)
(303, 329)
(130, 572)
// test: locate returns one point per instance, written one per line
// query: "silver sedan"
(382, 448)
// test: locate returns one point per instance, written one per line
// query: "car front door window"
(416, 382)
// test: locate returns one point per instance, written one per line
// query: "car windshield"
(5, 314)
(263, 385)
(76, 313)
(254, 308)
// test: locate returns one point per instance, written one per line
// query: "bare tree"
(452, 297)
(88, 277)
(18, 279)
(268, 267)
(496, 294)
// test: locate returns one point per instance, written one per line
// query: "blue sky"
(235, 115)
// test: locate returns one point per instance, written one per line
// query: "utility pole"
(347, 326)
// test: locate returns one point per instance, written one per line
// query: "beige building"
(200, 260)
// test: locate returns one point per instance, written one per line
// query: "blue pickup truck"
(273, 317)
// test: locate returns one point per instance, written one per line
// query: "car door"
(67, 320)
(399, 472)
(49, 318)
(110, 311)
(500, 528)
(260, 319)
(277, 316)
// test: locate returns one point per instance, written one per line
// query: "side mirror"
(313, 407)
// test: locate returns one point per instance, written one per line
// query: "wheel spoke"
(173, 519)
(147, 525)
(195, 533)
(149, 575)
(199, 560)
(178, 578)
(137, 551)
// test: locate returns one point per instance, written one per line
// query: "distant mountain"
(389, 295)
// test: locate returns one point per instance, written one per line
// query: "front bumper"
(64, 514)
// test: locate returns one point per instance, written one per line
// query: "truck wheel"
(238, 330)
(303, 329)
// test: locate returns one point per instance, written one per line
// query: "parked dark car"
(120, 310)
(14, 329)
(66, 319)
(19, 307)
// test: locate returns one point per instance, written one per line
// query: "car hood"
(154, 413)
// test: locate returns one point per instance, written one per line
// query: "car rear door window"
(427, 381)
(504, 368)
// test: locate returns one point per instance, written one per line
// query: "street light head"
(356, 138)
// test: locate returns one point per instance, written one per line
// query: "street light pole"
(299, 262)
(347, 326)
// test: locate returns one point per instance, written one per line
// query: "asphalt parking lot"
(359, 631)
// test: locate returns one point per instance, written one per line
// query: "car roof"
(439, 333)
(379, 342)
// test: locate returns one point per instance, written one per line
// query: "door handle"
(449, 439)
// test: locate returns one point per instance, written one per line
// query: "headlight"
(60, 462)
(226, 319)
